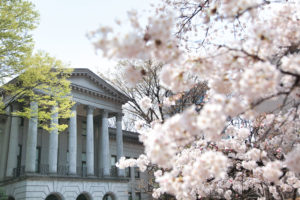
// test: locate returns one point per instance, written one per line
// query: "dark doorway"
(82, 197)
(52, 197)
(108, 197)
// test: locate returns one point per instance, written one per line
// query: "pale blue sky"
(64, 24)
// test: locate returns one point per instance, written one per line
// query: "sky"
(65, 23)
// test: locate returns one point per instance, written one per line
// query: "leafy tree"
(44, 81)
(17, 19)
(37, 77)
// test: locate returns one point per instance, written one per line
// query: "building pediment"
(86, 81)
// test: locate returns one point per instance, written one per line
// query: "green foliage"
(17, 19)
(45, 81)
(40, 78)
(2, 194)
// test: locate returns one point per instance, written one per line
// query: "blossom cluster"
(253, 72)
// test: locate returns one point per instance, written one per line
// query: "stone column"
(90, 141)
(105, 145)
(73, 141)
(32, 139)
(132, 180)
(13, 144)
(99, 149)
(121, 172)
(53, 142)
(5, 142)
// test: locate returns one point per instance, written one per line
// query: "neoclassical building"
(78, 163)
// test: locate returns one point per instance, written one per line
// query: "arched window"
(53, 197)
(82, 197)
(108, 197)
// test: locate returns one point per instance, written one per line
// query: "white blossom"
(272, 171)
(145, 103)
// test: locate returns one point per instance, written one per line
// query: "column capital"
(104, 113)
(90, 109)
(34, 109)
(74, 107)
(119, 116)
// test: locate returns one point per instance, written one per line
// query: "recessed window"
(127, 170)
(138, 196)
(129, 196)
(136, 172)
(83, 164)
(83, 128)
(37, 159)
(68, 158)
(113, 160)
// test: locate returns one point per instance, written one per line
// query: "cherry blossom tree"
(248, 52)
(148, 101)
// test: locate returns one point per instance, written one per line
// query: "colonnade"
(31, 142)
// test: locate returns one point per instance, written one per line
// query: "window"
(22, 121)
(2, 127)
(19, 159)
(127, 170)
(136, 172)
(83, 163)
(19, 156)
(113, 160)
(129, 196)
(37, 159)
(138, 196)
(83, 128)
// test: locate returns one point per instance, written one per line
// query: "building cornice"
(97, 94)
(111, 92)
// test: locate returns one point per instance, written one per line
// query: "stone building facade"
(78, 163)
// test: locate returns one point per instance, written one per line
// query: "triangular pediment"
(85, 80)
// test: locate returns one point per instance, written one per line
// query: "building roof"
(110, 92)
